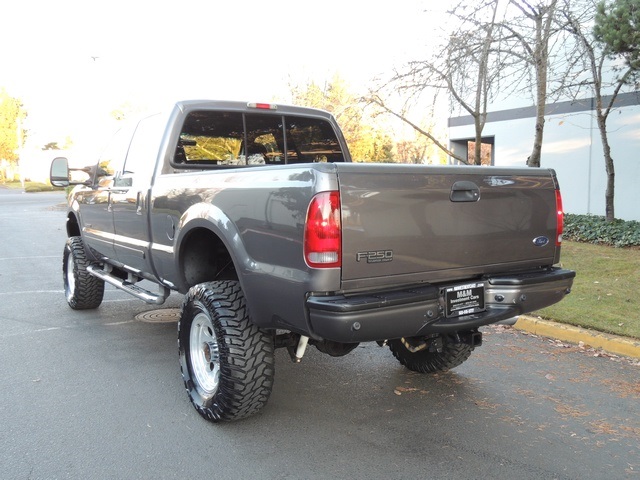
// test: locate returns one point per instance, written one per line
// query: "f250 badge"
(375, 256)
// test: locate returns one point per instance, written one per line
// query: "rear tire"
(424, 361)
(82, 290)
(227, 362)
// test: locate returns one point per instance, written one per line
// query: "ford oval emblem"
(540, 241)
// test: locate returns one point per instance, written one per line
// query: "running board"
(130, 287)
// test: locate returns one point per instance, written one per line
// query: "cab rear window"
(211, 139)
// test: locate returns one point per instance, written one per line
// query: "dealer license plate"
(464, 299)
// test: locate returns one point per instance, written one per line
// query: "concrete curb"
(609, 343)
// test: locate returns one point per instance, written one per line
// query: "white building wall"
(573, 148)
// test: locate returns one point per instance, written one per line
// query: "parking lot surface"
(98, 394)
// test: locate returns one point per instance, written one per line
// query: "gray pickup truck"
(256, 213)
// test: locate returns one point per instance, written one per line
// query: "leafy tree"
(68, 143)
(125, 111)
(617, 27)
(420, 149)
(12, 134)
(366, 141)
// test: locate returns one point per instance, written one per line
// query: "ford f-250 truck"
(256, 213)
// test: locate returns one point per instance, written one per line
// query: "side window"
(210, 138)
(143, 150)
(311, 140)
(112, 158)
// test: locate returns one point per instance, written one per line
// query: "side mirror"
(59, 173)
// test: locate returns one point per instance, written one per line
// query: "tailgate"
(405, 224)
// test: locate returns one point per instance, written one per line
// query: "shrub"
(595, 229)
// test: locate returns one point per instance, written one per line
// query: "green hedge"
(595, 229)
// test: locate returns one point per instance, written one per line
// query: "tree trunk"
(541, 101)
(534, 159)
(609, 194)
(543, 21)
(477, 159)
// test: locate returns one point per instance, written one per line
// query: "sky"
(72, 62)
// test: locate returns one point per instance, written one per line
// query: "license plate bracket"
(464, 299)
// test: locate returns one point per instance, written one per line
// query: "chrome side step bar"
(129, 285)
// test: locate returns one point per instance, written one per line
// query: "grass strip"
(606, 292)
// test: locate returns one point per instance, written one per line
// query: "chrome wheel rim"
(204, 354)
(71, 279)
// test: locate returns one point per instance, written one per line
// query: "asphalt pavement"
(98, 395)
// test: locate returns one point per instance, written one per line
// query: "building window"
(465, 148)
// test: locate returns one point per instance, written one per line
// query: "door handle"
(464, 191)
(139, 203)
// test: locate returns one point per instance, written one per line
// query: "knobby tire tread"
(89, 290)
(247, 361)
(452, 355)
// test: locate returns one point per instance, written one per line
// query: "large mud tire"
(451, 356)
(82, 290)
(227, 362)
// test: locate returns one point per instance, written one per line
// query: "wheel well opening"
(73, 229)
(205, 258)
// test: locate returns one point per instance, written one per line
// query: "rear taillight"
(323, 232)
(559, 219)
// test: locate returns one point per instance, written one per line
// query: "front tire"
(425, 361)
(82, 290)
(227, 362)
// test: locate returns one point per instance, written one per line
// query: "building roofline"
(559, 108)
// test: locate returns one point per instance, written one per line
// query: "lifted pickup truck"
(257, 215)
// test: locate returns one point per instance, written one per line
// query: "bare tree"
(603, 78)
(467, 67)
(529, 39)
(479, 53)
(376, 99)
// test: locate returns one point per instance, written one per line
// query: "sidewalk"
(609, 343)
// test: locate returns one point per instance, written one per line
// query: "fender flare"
(209, 217)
